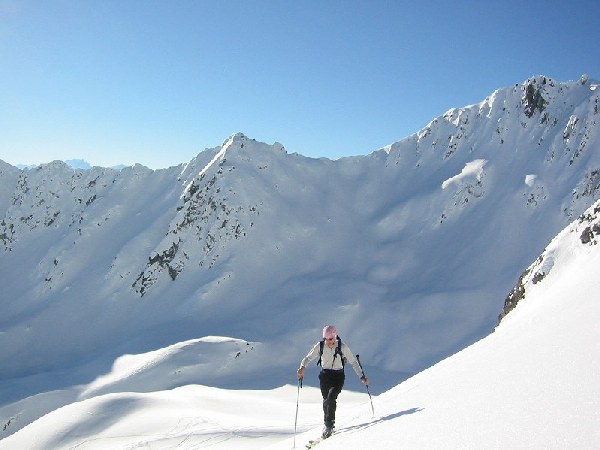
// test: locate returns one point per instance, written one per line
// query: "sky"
(157, 82)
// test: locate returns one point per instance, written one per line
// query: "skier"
(332, 353)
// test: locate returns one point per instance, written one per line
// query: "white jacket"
(327, 359)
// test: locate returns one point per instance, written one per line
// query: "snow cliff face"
(409, 250)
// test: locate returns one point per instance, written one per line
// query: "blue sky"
(156, 82)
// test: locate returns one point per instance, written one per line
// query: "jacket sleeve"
(351, 359)
(311, 355)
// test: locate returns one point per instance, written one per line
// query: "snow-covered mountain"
(530, 384)
(78, 164)
(411, 250)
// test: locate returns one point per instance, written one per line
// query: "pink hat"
(329, 332)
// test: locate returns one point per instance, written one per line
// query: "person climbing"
(333, 354)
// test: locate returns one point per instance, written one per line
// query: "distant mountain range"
(73, 163)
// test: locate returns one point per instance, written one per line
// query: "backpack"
(338, 351)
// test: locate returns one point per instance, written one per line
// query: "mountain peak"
(78, 164)
(235, 139)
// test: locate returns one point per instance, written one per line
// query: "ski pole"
(297, 400)
(368, 392)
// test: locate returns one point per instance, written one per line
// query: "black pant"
(332, 382)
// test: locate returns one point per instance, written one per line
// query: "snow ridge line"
(219, 156)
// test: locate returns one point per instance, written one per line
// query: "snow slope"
(530, 384)
(410, 250)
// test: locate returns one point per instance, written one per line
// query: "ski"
(313, 442)
(310, 444)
